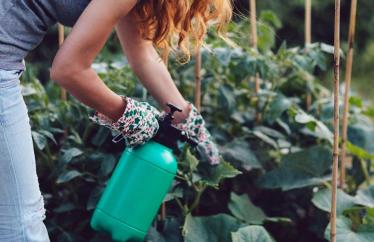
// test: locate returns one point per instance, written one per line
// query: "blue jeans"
(21, 203)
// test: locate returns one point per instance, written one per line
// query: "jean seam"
(10, 83)
(20, 213)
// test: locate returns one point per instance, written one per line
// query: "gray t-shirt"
(24, 23)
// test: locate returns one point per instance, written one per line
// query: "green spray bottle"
(139, 184)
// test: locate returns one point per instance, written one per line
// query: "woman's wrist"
(116, 111)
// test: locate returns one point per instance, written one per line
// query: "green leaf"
(346, 233)
(330, 49)
(28, 90)
(239, 150)
(355, 101)
(216, 228)
(100, 136)
(327, 48)
(265, 138)
(252, 233)
(314, 127)
(361, 134)
(223, 55)
(271, 18)
(191, 160)
(107, 165)
(39, 139)
(218, 172)
(365, 197)
(226, 98)
(303, 118)
(266, 37)
(322, 200)
(65, 207)
(94, 197)
(242, 208)
(300, 169)
(270, 132)
(49, 135)
(69, 154)
(154, 235)
(359, 152)
(369, 112)
(68, 176)
(277, 107)
(176, 193)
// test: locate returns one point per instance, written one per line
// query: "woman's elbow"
(63, 73)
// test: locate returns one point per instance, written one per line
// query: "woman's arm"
(71, 67)
(149, 68)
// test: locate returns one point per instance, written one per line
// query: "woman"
(139, 25)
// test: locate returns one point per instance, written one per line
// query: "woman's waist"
(9, 77)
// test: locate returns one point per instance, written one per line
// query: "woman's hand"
(194, 125)
(137, 124)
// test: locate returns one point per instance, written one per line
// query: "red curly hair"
(167, 21)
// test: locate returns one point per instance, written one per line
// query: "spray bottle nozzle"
(169, 135)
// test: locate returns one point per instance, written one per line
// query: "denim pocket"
(10, 78)
(12, 105)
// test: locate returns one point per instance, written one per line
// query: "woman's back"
(23, 24)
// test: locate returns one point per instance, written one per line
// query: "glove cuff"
(137, 124)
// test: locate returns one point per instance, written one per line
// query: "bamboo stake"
(252, 7)
(61, 38)
(198, 79)
(348, 75)
(253, 42)
(308, 21)
(335, 158)
(308, 40)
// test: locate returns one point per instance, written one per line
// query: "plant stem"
(348, 75)
(183, 208)
(196, 201)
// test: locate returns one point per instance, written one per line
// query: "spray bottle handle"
(170, 115)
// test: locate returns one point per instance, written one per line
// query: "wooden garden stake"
(252, 7)
(308, 40)
(61, 38)
(348, 75)
(253, 42)
(198, 79)
(335, 158)
(308, 21)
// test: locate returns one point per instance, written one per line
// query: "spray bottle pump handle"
(170, 116)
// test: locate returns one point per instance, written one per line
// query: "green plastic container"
(139, 184)
(135, 192)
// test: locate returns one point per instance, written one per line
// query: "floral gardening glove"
(137, 125)
(194, 125)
